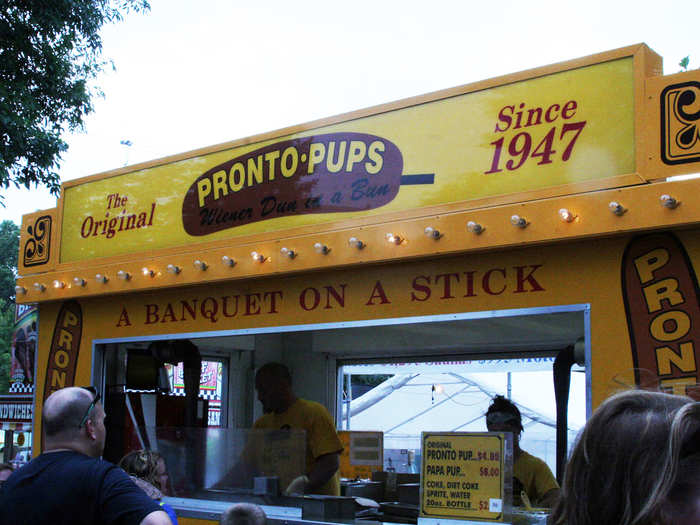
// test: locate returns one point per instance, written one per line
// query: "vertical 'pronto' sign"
(663, 313)
(65, 344)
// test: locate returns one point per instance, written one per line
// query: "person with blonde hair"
(636, 462)
(147, 469)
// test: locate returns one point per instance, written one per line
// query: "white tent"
(454, 397)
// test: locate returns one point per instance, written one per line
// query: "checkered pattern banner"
(203, 394)
(20, 388)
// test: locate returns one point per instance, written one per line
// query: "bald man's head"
(64, 410)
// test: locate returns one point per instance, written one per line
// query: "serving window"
(396, 376)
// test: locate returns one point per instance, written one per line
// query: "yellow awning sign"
(463, 476)
(572, 125)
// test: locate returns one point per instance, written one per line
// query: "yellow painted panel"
(570, 127)
(525, 278)
(584, 272)
(194, 521)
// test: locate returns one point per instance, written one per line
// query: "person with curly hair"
(530, 474)
(636, 462)
(148, 471)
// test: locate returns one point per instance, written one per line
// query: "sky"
(194, 74)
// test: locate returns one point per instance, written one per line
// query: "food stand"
(533, 203)
(17, 407)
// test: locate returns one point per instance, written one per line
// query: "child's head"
(147, 465)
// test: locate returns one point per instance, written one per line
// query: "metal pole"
(347, 412)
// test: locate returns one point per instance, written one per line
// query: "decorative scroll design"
(37, 246)
(680, 116)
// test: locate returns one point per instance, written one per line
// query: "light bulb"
(668, 201)
(517, 220)
(228, 261)
(20, 290)
(79, 281)
(100, 278)
(286, 252)
(393, 239)
(124, 276)
(259, 257)
(356, 243)
(475, 227)
(200, 265)
(59, 284)
(39, 287)
(432, 233)
(566, 215)
(147, 272)
(321, 248)
(616, 208)
(173, 268)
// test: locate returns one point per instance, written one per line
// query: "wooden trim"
(367, 221)
(594, 220)
(646, 64)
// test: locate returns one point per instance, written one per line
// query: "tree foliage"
(50, 51)
(9, 246)
(7, 325)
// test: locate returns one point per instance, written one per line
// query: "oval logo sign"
(330, 173)
(661, 296)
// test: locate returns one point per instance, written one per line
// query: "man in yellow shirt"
(530, 474)
(284, 410)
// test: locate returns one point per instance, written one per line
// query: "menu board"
(363, 453)
(465, 475)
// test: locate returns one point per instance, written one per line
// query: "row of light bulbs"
(565, 215)
(123, 275)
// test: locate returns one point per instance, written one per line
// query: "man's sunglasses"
(95, 399)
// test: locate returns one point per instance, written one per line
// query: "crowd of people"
(635, 462)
